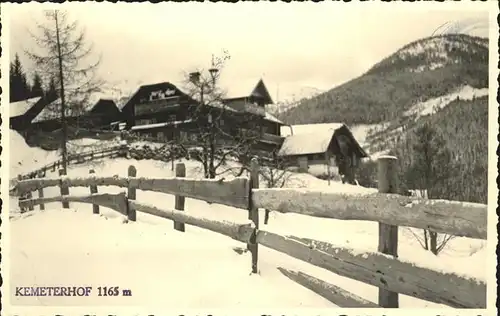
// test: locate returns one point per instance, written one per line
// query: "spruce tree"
(37, 88)
(18, 85)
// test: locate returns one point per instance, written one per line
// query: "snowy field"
(198, 268)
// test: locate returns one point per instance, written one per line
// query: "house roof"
(153, 86)
(257, 90)
(306, 143)
(20, 108)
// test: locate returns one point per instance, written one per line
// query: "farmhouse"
(21, 113)
(333, 146)
(164, 112)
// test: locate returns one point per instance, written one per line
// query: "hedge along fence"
(382, 269)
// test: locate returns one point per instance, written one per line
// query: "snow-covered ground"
(198, 268)
(25, 159)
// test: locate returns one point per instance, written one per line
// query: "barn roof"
(306, 143)
(313, 139)
(48, 112)
(20, 108)
(52, 111)
(103, 105)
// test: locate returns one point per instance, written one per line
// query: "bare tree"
(221, 132)
(276, 173)
(428, 172)
(63, 55)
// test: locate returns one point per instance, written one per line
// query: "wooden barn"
(103, 114)
(334, 146)
(99, 116)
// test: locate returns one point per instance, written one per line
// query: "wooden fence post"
(388, 234)
(132, 173)
(40, 191)
(64, 189)
(20, 178)
(254, 213)
(93, 190)
(180, 171)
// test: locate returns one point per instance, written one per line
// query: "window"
(172, 118)
(183, 136)
(145, 121)
(160, 136)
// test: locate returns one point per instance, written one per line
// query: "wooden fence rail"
(381, 269)
(92, 154)
(442, 216)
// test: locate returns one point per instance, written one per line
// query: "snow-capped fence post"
(254, 213)
(180, 172)
(388, 234)
(93, 190)
(131, 213)
(64, 188)
(40, 192)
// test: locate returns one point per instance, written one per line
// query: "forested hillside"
(421, 70)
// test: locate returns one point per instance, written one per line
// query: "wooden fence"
(381, 269)
(76, 158)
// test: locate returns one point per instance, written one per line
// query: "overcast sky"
(291, 46)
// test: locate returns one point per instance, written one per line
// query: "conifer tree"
(18, 85)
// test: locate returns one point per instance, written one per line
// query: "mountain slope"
(422, 70)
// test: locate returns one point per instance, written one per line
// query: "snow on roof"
(272, 118)
(48, 112)
(157, 125)
(306, 143)
(51, 110)
(21, 107)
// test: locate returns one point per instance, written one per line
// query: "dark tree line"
(23, 87)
